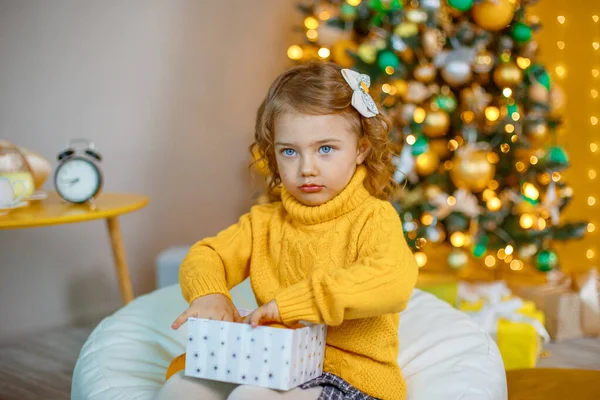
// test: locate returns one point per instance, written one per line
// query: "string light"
(419, 115)
(490, 261)
(354, 2)
(592, 174)
(526, 221)
(591, 227)
(516, 265)
(505, 147)
(556, 176)
(386, 88)
(492, 113)
(523, 62)
(594, 120)
(452, 145)
(494, 204)
(295, 52)
(457, 239)
(510, 128)
(589, 253)
(533, 160)
(451, 201)
(324, 52)
(515, 116)
(509, 249)
(448, 165)
(427, 218)
(312, 35)
(389, 70)
(411, 139)
(591, 201)
(311, 23)
(421, 259)
(530, 191)
(560, 70)
(507, 92)
(594, 93)
(520, 166)
(593, 147)
(560, 44)
(561, 19)
(493, 158)
(493, 184)
(501, 254)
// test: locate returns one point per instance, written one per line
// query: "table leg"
(120, 262)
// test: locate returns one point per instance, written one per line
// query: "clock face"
(77, 180)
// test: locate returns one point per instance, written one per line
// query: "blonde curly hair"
(318, 88)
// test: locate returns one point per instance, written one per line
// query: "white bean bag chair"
(443, 354)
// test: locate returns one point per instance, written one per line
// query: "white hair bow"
(361, 99)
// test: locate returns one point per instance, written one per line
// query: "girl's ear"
(362, 151)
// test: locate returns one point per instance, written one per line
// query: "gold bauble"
(557, 101)
(457, 73)
(538, 93)
(427, 163)
(425, 73)
(493, 15)
(537, 133)
(508, 74)
(339, 53)
(471, 170)
(436, 123)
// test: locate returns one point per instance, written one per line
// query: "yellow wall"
(579, 58)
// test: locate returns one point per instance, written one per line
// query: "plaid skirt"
(335, 388)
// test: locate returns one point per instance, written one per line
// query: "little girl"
(332, 251)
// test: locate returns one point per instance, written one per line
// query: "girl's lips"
(311, 188)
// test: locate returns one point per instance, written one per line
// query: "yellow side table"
(109, 206)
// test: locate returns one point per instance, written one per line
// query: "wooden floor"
(40, 366)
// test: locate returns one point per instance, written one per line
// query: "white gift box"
(274, 358)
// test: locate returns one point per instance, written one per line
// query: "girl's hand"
(264, 314)
(212, 306)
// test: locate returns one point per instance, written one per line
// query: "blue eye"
(326, 149)
(288, 152)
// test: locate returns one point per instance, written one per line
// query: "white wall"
(168, 90)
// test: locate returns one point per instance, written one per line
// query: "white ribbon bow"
(489, 315)
(361, 99)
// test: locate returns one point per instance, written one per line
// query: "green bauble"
(521, 32)
(481, 247)
(446, 103)
(348, 12)
(458, 259)
(461, 5)
(546, 260)
(420, 146)
(386, 59)
(537, 73)
(556, 157)
(385, 5)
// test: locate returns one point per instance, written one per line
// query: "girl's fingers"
(256, 317)
(180, 320)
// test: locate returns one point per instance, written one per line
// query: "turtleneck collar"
(347, 200)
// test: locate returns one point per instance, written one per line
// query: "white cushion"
(443, 354)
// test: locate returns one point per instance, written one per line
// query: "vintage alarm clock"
(78, 178)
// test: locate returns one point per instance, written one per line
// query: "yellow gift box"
(516, 325)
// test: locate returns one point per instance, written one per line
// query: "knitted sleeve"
(217, 264)
(380, 282)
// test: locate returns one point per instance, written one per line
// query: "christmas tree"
(474, 115)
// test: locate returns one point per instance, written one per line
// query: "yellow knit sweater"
(344, 263)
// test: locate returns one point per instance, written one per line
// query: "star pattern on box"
(239, 354)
